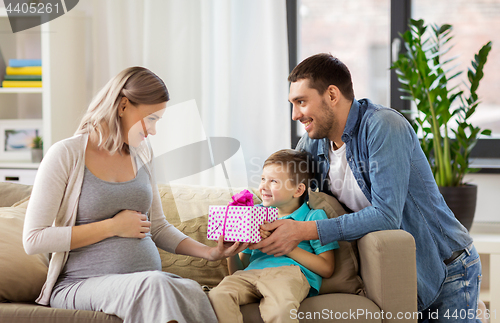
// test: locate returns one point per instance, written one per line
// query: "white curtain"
(225, 63)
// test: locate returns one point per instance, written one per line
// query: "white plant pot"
(36, 155)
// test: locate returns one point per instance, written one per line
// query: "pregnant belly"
(114, 255)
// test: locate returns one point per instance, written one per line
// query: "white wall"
(488, 199)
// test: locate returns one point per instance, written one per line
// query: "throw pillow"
(345, 277)
(205, 272)
(10, 193)
(23, 203)
(186, 207)
(21, 276)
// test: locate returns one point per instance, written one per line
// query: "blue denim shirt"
(392, 171)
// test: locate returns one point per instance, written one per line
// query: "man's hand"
(286, 236)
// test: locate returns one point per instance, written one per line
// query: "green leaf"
(473, 170)
(448, 39)
(454, 75)
(445, 27)
(470, 111)
(461, 160)
(471, 76)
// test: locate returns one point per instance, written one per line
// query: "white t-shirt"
(342, 182)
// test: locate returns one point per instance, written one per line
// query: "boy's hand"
(226, 249)
(264, 233)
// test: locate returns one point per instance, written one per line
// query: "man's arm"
(391, 144)
(286, 236)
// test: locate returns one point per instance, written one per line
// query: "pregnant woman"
(96, 207)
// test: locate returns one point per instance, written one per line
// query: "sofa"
(374, 279)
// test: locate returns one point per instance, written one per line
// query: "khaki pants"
(279, 289)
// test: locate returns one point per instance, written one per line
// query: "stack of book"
(23, 73)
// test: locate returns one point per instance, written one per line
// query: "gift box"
(239, 221)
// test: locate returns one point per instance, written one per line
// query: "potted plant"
(443, 112)
(37, 150)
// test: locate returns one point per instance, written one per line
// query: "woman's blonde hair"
(139, 85)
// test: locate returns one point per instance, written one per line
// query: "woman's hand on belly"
(130, 224)
(125, 224)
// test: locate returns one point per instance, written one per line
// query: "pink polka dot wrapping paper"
(242, 222)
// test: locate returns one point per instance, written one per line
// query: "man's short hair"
(297, 164)
(323, 70)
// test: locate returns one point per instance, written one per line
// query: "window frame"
(485, 150)
(292, 19)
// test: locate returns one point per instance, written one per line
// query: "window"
(359, 33)
(474, 24)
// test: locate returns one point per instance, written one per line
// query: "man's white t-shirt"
(342, 182)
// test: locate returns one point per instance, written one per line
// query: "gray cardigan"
(54, 202)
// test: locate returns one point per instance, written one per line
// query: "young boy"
(280, 283)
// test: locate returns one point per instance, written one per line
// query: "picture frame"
(16, 137)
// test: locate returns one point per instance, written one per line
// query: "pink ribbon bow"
(243, 198)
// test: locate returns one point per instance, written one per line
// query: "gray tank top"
(100, 200)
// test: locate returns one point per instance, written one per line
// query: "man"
(370, 159)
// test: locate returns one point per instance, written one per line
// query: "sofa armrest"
(389, 272)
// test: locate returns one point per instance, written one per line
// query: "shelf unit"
(62, 100)
(488, 247)
(21, 90)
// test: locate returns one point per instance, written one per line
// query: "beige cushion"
(186, 207)
(21, 276)
(22, 203)
(345, 277)
(205, 272)
(325, 308)
(11, 193)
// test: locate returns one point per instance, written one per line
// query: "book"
(22, 84)
(24, 62)
(23, 78)
(29, 70)
(2, 67)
